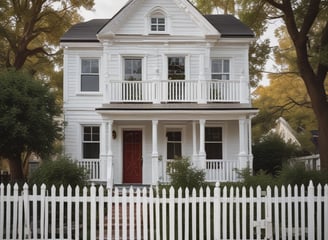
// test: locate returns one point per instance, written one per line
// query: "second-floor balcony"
(178, 91)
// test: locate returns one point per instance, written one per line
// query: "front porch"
(219, 147)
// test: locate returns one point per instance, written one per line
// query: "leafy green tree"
(27, 119)
(260, 49)
(31, 29)
(30, 32)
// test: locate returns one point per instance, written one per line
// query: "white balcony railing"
(177, 91)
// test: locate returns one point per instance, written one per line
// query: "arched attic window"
(157, 21)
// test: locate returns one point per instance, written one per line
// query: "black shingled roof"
(227, 25)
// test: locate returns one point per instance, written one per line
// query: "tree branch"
(310, 17)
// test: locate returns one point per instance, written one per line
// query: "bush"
(184, 175)
(271, 153)
(288, 175)
(59, 172)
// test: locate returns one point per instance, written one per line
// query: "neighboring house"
(156, 81)
(284, 130)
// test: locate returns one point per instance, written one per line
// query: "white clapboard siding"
(149, 213)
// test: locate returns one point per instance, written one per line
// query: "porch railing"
(177, 91)
(216, 170)
(221, 170)
(92, 167)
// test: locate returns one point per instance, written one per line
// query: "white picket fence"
(135, 213)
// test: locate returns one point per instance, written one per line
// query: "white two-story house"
(157, 81)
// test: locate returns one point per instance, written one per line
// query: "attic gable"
(143, 17)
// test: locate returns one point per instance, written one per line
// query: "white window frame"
(157, 24)
(223, 72)
(158, 13)
(224, 140)
(91, 141)
(83, 92)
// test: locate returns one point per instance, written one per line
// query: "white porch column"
(109, 154)
(154, 152)
(243, 154)
(103, 152)
(202, 153)
(194, 144)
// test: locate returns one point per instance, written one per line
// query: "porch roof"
(176, 111)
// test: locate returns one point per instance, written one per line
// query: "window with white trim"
(213, 143)
(90, 75)
(220, 69)
(174, 144)
(91, 142)
(157, 23)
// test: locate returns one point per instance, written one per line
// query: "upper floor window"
(220, 69)
(158, 23)
(213, 143)
(91, 142)
(90, 75)
(176, 68)
(133, 69)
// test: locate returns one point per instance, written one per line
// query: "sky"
(103, 9)
(108, 8)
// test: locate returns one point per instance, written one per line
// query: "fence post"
(93, 215)
(217, 212)
(310, 202)
(26, 212)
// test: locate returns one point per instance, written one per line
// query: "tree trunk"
(16, 171)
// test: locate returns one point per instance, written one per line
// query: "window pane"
(226, 67)
(153, 20)
(213, 150)
(85, 68)
(213, 134)
(94, 66)
(91, 150)
(173, 150)
(161, 28)
(215, 66)
(173, 136)
(90, 83)
(161, 20)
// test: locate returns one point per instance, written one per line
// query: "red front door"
(132, 156)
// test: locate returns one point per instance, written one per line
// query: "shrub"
(62, 171)
(271, 153)
(184, 175)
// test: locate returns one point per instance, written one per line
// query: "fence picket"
(234, 213)
(303, 212)
(310, 211)
(8, 210)
(289, 213)
(296, 214)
